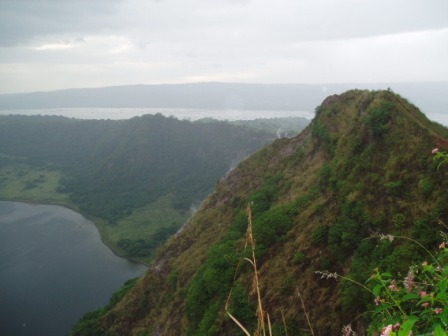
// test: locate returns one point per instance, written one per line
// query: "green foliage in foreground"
(417, 302)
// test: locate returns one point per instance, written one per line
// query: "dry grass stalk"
(250, 239)
(261, 329)
(269, 324)
(284, 322)
(304, 310)
(239, 324)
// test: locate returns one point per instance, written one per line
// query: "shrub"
(399, 220)
(320, 132)
(393, 188)
(426, 187)
(271, 226)
(416, 303)
(377, 119)
(319, 235)
(298, 257)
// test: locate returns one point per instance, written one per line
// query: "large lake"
(179, 113)
(53, 269)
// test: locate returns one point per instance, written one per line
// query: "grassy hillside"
(280, 127)
(139, 179)
(320, 201)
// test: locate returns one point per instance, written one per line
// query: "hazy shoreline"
(192, 114)
(87, 217)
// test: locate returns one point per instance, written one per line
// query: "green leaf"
(441, 296)
(381, 308)
(443, 285)
(444, 316)
(410, 296)
(406, 327)
(438, 331)
(377, 289)
(445, 269)
(424, 299)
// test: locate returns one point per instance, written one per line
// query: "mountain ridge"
(362, 168)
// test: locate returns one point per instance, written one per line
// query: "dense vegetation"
(281, 127)
(138, 178)
(321, 201)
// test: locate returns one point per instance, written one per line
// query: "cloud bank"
(56, 44)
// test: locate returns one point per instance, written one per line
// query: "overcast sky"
(58, 44)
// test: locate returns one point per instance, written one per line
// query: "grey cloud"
(91, 43)
(285, 20)
(23, 20)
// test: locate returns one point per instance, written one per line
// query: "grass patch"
(20, 182)
(140, 233)
(150, 225)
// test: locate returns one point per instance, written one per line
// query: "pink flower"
(396, 326)
(434, 151)
(442, 246)
(394, 288)
(425, 304)
(438, 310)
(409, 280)
(386, 330)
(377, 301)
(422, 294)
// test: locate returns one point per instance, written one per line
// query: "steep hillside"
(320, 201)
(138, 178)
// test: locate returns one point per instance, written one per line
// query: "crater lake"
(54, 268)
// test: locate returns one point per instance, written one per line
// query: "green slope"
(138, 179)
(319, 201)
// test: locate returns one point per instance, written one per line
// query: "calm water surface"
(53, 269)
(179, 113)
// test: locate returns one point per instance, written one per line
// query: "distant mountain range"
(431, 97)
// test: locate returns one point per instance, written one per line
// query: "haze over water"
(53, 269)
(179, 113)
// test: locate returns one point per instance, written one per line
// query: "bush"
(399, 221)
(271, 226)
(394, 188)
(415, 303)
(319, 234)
(298, 257)
(377, 119)
(426, 187)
